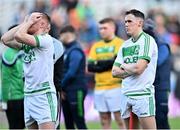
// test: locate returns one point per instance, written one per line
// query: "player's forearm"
(14, 44)
(117, 72)
(9, 36)
(120, 75)
(132, 69)
(22, 31)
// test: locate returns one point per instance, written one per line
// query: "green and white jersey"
(131, 51)
(39, 66)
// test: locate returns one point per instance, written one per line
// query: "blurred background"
(84, 16)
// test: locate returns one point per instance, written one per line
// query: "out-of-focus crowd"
(82, 16)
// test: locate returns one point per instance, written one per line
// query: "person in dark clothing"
(58, 64)
(58, 74)
(73, 83)
(162, 79)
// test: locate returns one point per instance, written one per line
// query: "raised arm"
(8, 38)
(22, 35)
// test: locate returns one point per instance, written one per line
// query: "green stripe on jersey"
(37, 41)
(146, 45)
(91, 60)
(116, 64)
(145, 58)
(108, 49)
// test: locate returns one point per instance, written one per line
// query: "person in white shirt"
(40, 102)
(136, 64)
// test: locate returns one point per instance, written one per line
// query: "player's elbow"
(114, 73)
(138, 70)
(5, 40)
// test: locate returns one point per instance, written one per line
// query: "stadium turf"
(174, 123)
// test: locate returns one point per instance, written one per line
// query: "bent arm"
(135, 68)
(100, 65)
(22, 33)
(8, 38)
(118, 72)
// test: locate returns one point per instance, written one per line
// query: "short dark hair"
(136, 13)
(12, 26)
(107, 20)
(67, 28)
(46, 16)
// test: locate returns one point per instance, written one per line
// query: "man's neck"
(40, 32)
(137, 35)
(109, 39)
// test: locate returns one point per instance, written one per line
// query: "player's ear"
(140, 23)
(48, 28)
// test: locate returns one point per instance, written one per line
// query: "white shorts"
(107, 100)
(40, 108)
(142, 107)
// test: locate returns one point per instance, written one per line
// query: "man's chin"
(128, 33)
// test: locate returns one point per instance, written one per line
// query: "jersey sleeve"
(58, 49)
(42, 41)
(119, 59)
(146, 49)
(120, 43)
(92, 54)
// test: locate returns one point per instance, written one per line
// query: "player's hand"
(35, 17)
(26, 18)
(63, 95)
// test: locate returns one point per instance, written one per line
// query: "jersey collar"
(134, 40)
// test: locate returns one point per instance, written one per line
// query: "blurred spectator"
(69, 4)
(173, 27)
(121, 32)
(55, 3)
(40, 6)
(162, 31)
(74, 87)
(162, 78)
(56, 23)
(20, 15)
(88, 28)
(13, 87)
(0, 33)
(176, 68)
